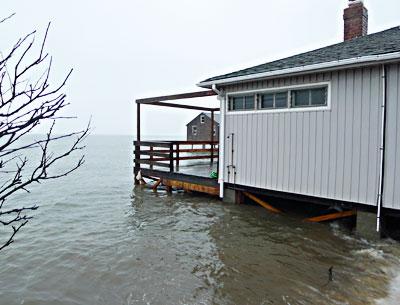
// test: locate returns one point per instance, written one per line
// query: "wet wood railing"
(168, 154)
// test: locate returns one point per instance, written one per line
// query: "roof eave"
(326, 66)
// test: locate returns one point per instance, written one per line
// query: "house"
(321, 125)
(199, 129)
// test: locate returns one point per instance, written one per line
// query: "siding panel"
(391, 192)
(332, 153)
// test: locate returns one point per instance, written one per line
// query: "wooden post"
(212, 137)
(171, 157)
(177, 157)
(151, 157)
(137, 146)
(239, 197)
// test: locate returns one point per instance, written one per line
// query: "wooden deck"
(185, 165)
(183, 181)
(169, 161)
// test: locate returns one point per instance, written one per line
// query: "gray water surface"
(97, 240)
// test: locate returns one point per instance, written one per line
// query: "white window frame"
(327, 107)
(259, 96)
(202, 119)
(243, 94)
(194, 130)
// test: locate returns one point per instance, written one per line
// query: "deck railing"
(167, 155)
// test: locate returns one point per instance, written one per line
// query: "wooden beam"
(155, 186)
(180, 158)
(180, 177)
(166, 144)
(183, 106)
(195, 142)
(192, 187)
(262, 203)
(150, 177)
(147, 161)
(176, 97)
(155, 153)
(161, 151)
(152, 143)
(332, 216)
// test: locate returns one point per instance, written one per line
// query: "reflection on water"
(95, 241)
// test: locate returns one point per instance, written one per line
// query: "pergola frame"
(161, 101)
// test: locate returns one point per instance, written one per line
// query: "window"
(273, 100)
(309, 97)
(242, 103)
(194, 130)
(214, 132)
(202, 119)
(315, 95)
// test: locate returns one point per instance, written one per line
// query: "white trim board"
(326, 66)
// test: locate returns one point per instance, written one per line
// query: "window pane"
(237, 103)
(318, 96)
(281, 100)
(249, 102)
(267, 101)
(301, 97)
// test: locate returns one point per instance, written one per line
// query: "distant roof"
(216, 117)
(384, 42)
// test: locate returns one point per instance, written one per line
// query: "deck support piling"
(137, 147)
(239, 197)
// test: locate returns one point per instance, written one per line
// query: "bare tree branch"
(27, 100)
(6, 18)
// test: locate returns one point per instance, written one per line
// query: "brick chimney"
(355, 20)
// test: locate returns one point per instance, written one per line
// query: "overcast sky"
(126, 49)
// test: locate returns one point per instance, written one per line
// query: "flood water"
(97, 240)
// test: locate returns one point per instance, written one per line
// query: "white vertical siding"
(332, 154)
(391, 192)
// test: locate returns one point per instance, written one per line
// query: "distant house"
(199, 129)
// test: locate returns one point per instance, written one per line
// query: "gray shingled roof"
(216, 117)
(384, 42)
